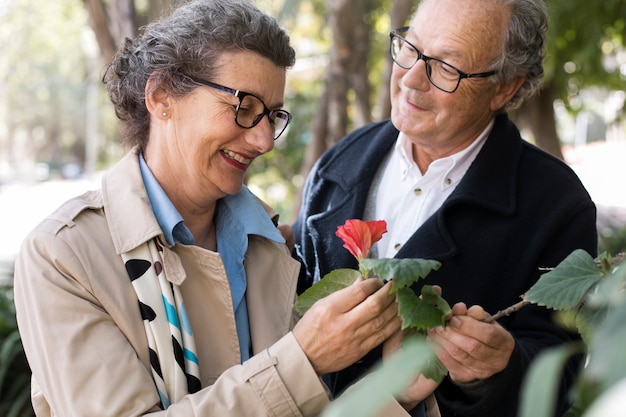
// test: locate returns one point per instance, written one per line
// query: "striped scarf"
(170, 340)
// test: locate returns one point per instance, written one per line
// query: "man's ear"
(157, 99)
(505, 92)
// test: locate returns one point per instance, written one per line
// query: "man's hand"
(470, 348)
(341, 328)
(421, 388)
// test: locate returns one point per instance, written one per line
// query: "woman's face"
(197, 152)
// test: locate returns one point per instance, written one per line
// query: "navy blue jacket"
(516, 210)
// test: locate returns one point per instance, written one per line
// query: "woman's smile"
(236, 159)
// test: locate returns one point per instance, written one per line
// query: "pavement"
(601, 166)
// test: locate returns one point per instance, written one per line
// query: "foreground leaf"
(434, 298)
(606, 362)
(567, 284)
(367, 397)
(418, 313)
(611, 288)
(541, 385)
(333, 281)
(403, 272)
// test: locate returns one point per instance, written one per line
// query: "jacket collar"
(490, 182)
(123, 192)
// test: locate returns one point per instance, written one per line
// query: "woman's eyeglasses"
(251, 109)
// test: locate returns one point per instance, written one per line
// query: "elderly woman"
(170, 288)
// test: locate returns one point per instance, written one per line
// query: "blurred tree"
(114, 20)
(586, 42)
(43, 87)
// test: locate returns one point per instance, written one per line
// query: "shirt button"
(417, 191)
(397, 246)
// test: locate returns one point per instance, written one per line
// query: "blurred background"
(58, 131)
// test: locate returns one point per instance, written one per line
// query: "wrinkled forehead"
(461, 27)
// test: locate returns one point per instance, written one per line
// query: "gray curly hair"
(187, 42)
(524, 48)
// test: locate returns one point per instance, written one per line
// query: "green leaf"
(331, 282)
(610, 289)
(567, 284)
(418, 313)
(403, 272)
(433, 297)
(541, 385)
(606, 361)
(368, 396)
(589, 319)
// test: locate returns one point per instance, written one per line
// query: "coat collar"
(123, 192)
(490, 183)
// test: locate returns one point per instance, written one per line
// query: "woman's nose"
(261, 136)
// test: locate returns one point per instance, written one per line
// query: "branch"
(506, 312)
(615, 260)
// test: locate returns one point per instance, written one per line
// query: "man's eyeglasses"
(251, 109)
(440, 74)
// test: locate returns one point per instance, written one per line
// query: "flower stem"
(506, 312)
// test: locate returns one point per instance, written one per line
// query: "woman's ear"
(157, 99)
(505, 92)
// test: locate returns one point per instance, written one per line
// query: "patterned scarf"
(170, 340)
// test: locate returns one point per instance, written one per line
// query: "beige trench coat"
(83, 334)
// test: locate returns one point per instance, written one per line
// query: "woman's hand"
(341, 328)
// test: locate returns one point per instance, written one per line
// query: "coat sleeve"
(534, 331)
(84, 364)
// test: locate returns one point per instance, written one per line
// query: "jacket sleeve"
(534, 331)
(83, 363)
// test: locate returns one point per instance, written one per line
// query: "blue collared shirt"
(237, 216)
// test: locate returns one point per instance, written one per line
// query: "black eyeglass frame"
(241, 95)
(396, 33)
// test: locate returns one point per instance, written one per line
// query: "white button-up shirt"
(406, 197)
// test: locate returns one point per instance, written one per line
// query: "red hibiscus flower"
(358, 236)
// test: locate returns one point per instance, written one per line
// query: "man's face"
(468, 35)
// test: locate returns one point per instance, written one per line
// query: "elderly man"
(456, 183)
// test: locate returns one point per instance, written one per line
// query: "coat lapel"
(272, 274)
(489, 186)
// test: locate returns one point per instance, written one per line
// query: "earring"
(164, 114)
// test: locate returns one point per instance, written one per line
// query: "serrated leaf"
(403, 272)
(433, 297)
(567, 284)
(417, 313)
(375, 390)
(331, 282)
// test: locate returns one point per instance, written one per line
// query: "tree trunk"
(537, 114)
(543, 121)
(400, 12)
(99, 22)
(114, 20)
